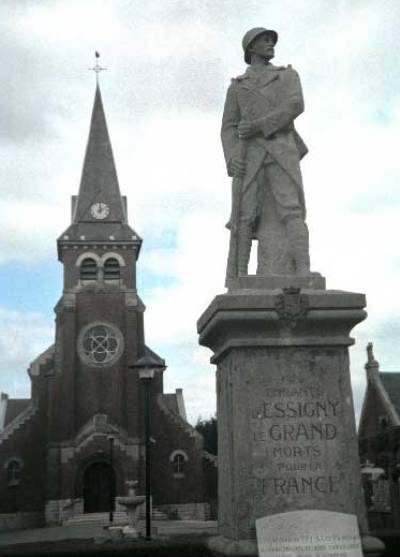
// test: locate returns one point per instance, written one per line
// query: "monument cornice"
(305, 318)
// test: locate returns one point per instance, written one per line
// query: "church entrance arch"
(98, 488)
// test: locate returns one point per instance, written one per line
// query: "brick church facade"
(74, 444)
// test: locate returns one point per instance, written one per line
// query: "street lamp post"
(147, 367)
(146, 375)
(111, 515)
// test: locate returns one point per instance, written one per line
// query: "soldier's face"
(263, 46)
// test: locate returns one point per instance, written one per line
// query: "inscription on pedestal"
(308, 534)
(298, 434)
(293, 427)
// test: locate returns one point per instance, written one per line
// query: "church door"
(98, 488)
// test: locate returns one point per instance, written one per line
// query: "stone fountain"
(132, 503)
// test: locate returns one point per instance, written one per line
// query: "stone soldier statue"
(262, 151)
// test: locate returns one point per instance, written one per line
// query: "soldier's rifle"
(237, 191)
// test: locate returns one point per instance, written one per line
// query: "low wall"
(186, 511)
(58, 510)
(19, 521)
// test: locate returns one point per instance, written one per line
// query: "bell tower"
(100, 315)
(94, 391)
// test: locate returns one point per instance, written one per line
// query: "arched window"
(111, 269)
(88, 269)
(178, 459)
(178, 463)
(14, 471)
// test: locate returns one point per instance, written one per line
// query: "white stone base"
(115, 532)
(130, 532)
(232, 548)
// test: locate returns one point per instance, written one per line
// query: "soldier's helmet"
(251, 35)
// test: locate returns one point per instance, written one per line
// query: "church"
(71, 447)
(379, 445)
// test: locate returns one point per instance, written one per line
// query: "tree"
(209, 431)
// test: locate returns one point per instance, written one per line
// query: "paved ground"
(90, 539)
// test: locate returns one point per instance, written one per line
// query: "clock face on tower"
(99, 210)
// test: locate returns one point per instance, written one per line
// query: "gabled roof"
(383, 391)
(170, 401)
(170, 407)
(15, 407)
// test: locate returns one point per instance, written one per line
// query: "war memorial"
(288, 465)
(289, 482)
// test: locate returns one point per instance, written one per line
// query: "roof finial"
(97, 68)
(370, 353)
(372, 366)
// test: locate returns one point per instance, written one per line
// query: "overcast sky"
(169, 63)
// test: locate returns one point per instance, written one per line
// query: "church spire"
(99, 196)
(99, 213)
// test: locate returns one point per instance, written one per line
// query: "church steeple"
(99, 182)
(99, 212)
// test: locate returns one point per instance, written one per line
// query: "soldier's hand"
(247, 129)
(238, 167)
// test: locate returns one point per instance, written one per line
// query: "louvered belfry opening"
(111, 269)
(88, 269)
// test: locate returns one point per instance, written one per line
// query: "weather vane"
(97, 68)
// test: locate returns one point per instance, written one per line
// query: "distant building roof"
(170, 401)
(172, 404)
(381, 406)
(14, 408)
(391, 383)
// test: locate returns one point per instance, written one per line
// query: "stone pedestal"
(286, 427)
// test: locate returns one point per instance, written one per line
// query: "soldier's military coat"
(272, 95)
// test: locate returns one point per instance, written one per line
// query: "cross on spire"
(97, 68)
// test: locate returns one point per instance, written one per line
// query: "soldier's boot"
(297, 232)
(243, 249)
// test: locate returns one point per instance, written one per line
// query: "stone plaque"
(308, 534)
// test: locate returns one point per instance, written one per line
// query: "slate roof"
(171, 402)
(99, 184)
(391, 383)
(99, 180)
(14, 408)
(149, 354)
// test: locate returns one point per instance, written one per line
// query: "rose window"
(100, 344)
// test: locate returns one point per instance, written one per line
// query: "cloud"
(23, 336)
(192, 372)
(28, 230)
